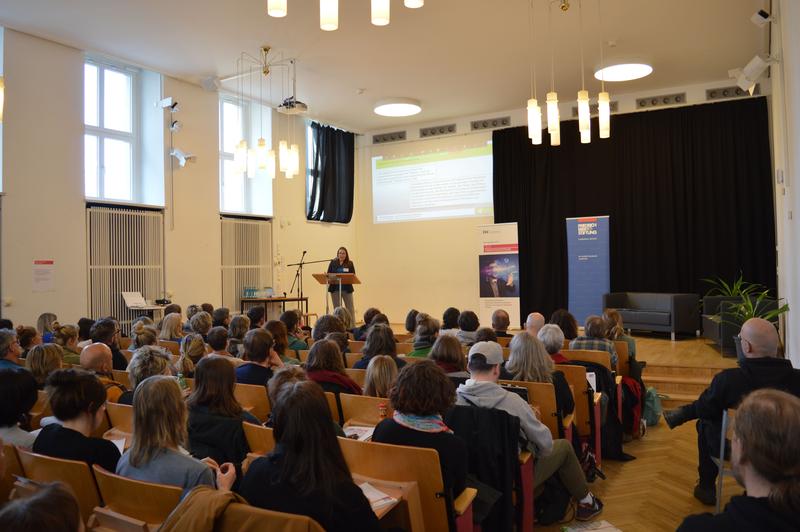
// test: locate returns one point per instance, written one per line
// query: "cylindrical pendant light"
(583, 110)
(283, 155)
(261, 152)
(271, 164)
(555, 138)
(240, 157)
(380, 12)
(294, 160)
(552, 113)
(413, 4)
(534, 122)
(329, 15)
(277, 8)
(604, 114)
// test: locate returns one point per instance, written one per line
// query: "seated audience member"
(344, 316)
(17, 397)
(6, 324)
(67, 337)
(159, 434)
(142, 335)
(485, 334)
(765, 457)
(306, 474)
(594, 338)
(27, 338)
(530, 362)
(261, 359)
(45, 326)
(566, 322)
(221, 317)
(280, 342)
(500, 323)
(207, 307)
(97, 358)
(43, 360)
(296, 335)
(380, 341)
(324, 366)
(326, 323)
(425, 335)
(218, 342)
(192, 349)
(106, 331)
(85, 332)
(380, 376)
(553, 339)
(761, 368)
(360, 333)
(146, 361)
(411, 321)
(78, 401)
(238, 327)
(173, 308)
(171, 328)
(379, 318)
(215, 417)
(552, 457)
(534, 322)
(145, 320)
(191, 310)
(420, 398)
(10, 350)
(51, 508)
(468, 324)
(201, 324)
(450, 321)
(448, 355)
(616, 331)
(341, 340)
(257, 317)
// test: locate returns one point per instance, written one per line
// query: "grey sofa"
(641, 311)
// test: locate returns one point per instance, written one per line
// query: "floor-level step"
(674, 400)
(670, 384)
(691, 372)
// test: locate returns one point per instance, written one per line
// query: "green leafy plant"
(755, 304)
(738, 288)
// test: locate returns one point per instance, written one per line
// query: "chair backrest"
(352, 358)
(411, 360)
(356, 346)
(504, 340)
(303, 354)
(13, 467)
(566, 343)
(145, 501)
(358, 375)
(75, 474)
(245, 517)
(602, 358)
(124, 342)
(333, 405)
(506, 353)
(402, 464)
(40, 410)
(623, 364)
(120, 416)
(121, 376)
(254, 398)
(576, 377)
(364, 409)
(404, 348)
(404, 337)
(542, 395)
(173, 347)
(259, 438)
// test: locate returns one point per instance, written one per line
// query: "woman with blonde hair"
(67, 337)
(237, 328)
(142, 335)
(146, 361)
(380, 377)
(344, 316)
(160, 419)
(201, 323)
(171, 328)
(46, 325)
(193, 348)
(43, 360)
(529, 361)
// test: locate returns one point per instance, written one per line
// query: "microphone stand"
(298, 276)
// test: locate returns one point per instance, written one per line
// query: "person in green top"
(281, 346)
(424, 336)
(295, 335)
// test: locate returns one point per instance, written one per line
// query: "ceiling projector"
(292, 106)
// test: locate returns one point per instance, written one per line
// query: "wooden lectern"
(339, 279)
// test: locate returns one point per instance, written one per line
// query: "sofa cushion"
(644, 317)
(649, 301)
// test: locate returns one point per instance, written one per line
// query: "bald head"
(759, 338)
(534, 322)
(97, 357)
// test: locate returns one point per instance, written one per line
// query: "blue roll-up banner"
(589, 266)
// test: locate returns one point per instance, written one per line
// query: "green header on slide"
(434, 157)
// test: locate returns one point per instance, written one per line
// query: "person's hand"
(226, 476)
(210, 462)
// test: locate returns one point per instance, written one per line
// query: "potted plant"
(754, 304)
(715, 303)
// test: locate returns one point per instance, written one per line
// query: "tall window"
(110, 131)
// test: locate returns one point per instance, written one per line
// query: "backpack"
(651, 412)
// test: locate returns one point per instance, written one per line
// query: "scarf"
(448, 367)
(321, 375)
(421, 423)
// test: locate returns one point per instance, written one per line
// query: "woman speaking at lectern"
(342, 264)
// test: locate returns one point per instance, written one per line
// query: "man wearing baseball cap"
(552, 457)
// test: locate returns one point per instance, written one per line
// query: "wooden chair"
(41, 409)
(504, 340)
(122, 377)
(124, 342)
(404, 349)
(173, 347)
(403, 338)
(303, 355)
(566, 344)
(506, 353)
(601, 358)
(239, 516)
(127, 499)
(576, 377)
(13, 467)
(259, 438)
(333, 405)
(411, 360)
(76, 475)
(120, 417)
(364, 410)
(542, 396)
(356, 346)
(726, 434)
(253, 397)
(623, 358)
(358, 375)
(352, 358)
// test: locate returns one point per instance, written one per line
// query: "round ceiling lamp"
(624, 72)
(398, 107)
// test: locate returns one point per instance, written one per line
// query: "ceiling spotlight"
(760, 18)
(747, 77)
(176, 126)
(182, 156)
(398, 107)
(623, 72)
(413, 4)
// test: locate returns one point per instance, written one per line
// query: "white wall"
(43, 214)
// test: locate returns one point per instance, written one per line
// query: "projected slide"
(441, 184)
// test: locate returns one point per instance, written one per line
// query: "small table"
(266, 300)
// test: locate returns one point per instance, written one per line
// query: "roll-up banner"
(498, 272)
(588, 262)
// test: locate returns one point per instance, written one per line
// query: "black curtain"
(332, 174)
(688, 190)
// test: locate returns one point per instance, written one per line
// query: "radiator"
(246, 258)
(125, 254)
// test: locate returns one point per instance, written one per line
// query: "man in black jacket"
(761, 369)
(106, 331)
